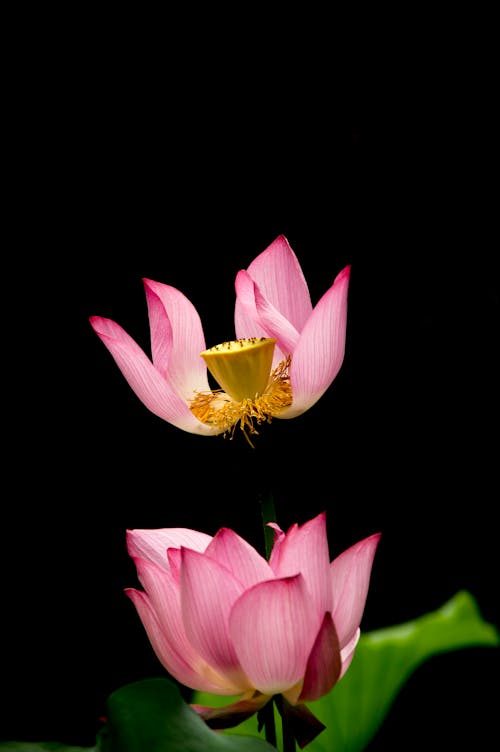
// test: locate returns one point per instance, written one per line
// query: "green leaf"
(42, 747)
(151, 715)
(384, 659)
(357, 706)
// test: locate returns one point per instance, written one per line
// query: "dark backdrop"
(122, 175)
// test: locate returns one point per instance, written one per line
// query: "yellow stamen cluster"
(251, 394)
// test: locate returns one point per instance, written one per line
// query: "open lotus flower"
(223, 620)
(285, 355)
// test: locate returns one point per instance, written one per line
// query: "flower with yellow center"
(251, 393)
(285, 355)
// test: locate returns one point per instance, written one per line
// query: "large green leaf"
(151, 716)
(384, 660)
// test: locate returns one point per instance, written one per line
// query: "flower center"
(250, 392)
(242, 367)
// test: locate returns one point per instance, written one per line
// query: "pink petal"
(350, 573)
(208, 592)
(324, 663)
(319, 353)
(246, 318)
(144, 379)
(152, 545)
(273, 630)
(304, 549)
(275, 324)
(347, 652)
(242, 560)
(160, 330)
(279, 537)
(279, 276)
(177, 339)
(256, 317)
(178, 658)
(174, 561)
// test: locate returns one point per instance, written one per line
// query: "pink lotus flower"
(221, 619)
(286, 353)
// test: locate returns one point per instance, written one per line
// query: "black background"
(128, 164)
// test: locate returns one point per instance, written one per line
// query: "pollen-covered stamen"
(217, 409)
(241, 367)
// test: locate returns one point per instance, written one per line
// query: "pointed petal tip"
(344, 274)
(132, 593)
(105, 328)
(129, 536)
(95, 321)
(282, 238)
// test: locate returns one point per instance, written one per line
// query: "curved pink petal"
(144, 379)
(320, 350)
(350, 573)
(256, 317)
(304, 549)
(273, 629)
(275, 324)
(324, 663)
(246, 318)
(347, 652)
(279, 537)
(208, 592)
(242, 560)
(174, 562)
(279, 276)
(164, 596)
(152, 545)
(177, 658)
(160, 329)
(177, 339)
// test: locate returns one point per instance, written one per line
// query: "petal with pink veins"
(320, 350)
(324, 663)
(163, 590)
(275, 324)
(279, 536)
(178, 659)
(350, 573)
(145, 380)
(152, 545)
(246, 318)
(174, 561)
(304, 549)
(177, 339)
(347, 652)
(273, 629)
(208, 593)
(281, 280)
(270, 322)
(242, 560)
